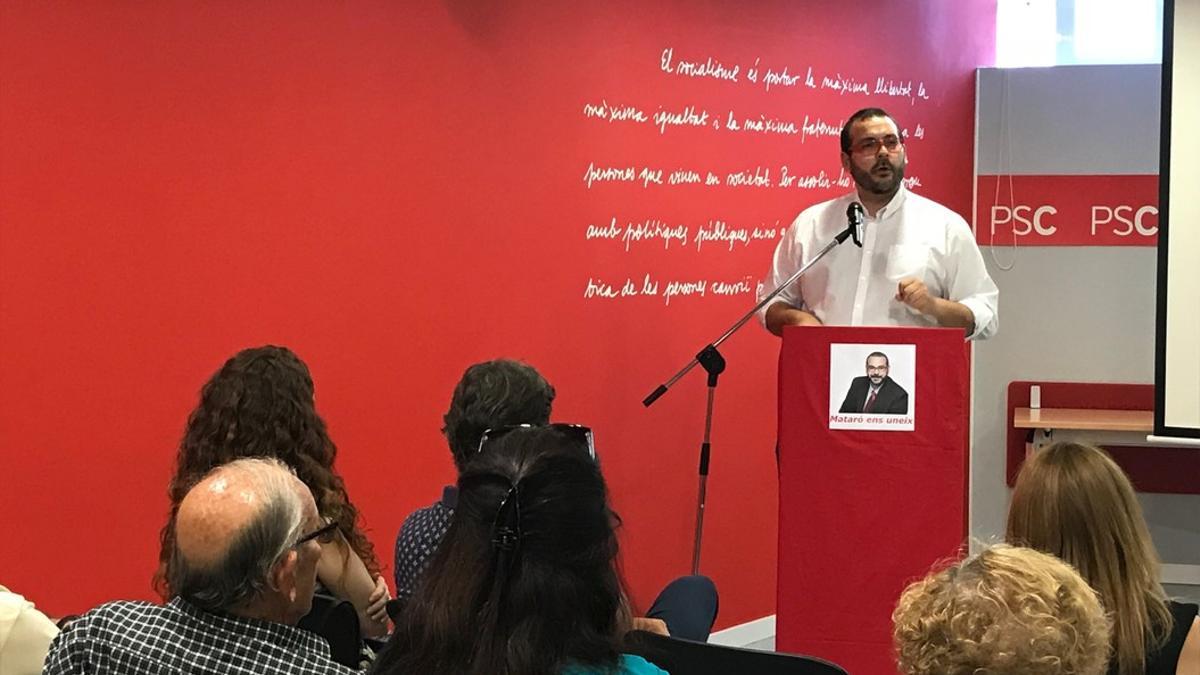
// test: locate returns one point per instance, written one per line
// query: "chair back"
(685, 657)
(336, 620)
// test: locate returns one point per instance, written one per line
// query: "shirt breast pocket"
(909, 260)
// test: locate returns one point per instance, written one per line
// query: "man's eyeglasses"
(324, 534)
(871, 145)
(582, 433)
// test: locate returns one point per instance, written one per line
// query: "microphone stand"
(714, 364)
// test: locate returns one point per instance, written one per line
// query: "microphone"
(854, 218)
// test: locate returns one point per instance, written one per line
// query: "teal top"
(628, 665)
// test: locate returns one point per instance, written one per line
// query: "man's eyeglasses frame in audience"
(324, 534)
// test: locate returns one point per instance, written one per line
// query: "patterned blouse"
(418, 540)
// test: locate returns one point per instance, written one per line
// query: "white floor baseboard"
(1188, 575)
(745, 633)
(758, 630)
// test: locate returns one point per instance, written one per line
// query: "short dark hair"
(242, 574)
(493, 394)
(526, 580)
(885, 357)
(865, 113)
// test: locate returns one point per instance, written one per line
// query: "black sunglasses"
(577, 431)
(324, 534)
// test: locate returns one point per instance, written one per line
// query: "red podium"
(862, 512)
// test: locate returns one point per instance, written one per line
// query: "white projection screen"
(1177, 353)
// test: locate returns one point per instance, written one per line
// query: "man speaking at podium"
(918, 265)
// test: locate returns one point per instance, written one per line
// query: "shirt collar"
(894, 205)
(289, 637)
(891, 207)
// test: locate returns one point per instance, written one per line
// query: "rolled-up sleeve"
(789, 255)
(970, 283)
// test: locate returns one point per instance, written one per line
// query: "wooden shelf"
(1084, 419)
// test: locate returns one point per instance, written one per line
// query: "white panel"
(1069, 120)
(1188, 575)
(745, 634)
(1117, 31)
(1025, 34)
(1182, 373)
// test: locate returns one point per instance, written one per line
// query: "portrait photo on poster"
(872, 386)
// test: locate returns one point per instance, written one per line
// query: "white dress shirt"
(910, 237)
(872, 390)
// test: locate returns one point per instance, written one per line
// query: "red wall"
(396, 192)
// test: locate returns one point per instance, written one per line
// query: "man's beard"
(877, 185)
(876, 379)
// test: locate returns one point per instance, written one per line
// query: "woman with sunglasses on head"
(1073, 501)
(526, 580)
(260, 404)
(491, 394)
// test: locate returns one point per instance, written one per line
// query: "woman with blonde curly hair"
(261, 404)
(1004, 611)
(1073, 501)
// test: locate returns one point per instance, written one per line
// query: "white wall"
(1082, 314)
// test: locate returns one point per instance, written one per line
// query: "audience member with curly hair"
(261, 404)
(1073, 501)
(1004, 611)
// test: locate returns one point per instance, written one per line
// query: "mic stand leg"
(711, 360)
(714, 364)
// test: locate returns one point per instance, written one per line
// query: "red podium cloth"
(863, 513)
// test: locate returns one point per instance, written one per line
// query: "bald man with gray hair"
(244, 570)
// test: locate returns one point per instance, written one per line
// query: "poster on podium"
(872, 386)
